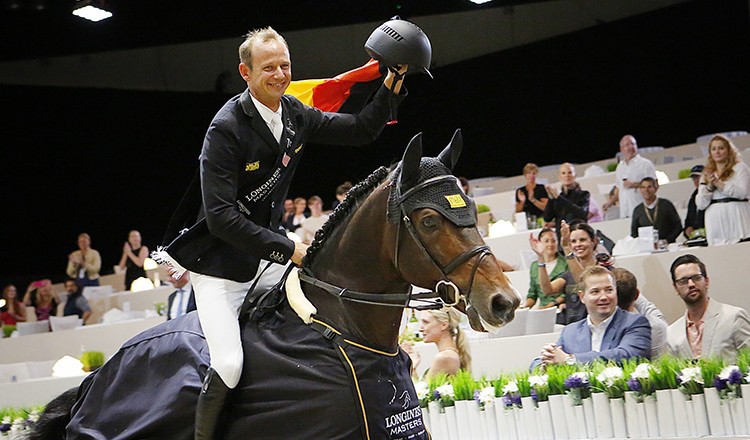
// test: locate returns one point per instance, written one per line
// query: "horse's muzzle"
(497, 311)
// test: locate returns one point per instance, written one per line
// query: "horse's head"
(440, 247)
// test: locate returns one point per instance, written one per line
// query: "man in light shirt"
(607, 333)
(630, 171)
(708, 328)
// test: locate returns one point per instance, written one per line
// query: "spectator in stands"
(182, 300)
(341, 191)
(708, 328)
(465, 186)
(76, 303)
(694, 220)
(531, 198)
(608, 333)
(85, 263)
(29, 298)
(45, 302)
(545, 282)
(595, 211)
(629, 298)
(579, 245)
(570, 204)
(441, 328)
(657, 212)
(134, 254)
(300, 214)
(14, 310)
(630, 171)
(287, 218)
(314, 221)
(723, 194)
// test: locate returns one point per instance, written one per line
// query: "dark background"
(108, 161)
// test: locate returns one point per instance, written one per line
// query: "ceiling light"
(91, 10)
(479, 2)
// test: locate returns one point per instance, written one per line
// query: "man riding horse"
(250, 152)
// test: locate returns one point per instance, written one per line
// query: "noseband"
(445, 291)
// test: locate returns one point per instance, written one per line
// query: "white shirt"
(634, 171)
(597, 332)
(179, 305)
(270, 117)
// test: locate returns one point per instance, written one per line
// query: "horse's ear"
(410, 162)
(449, 156)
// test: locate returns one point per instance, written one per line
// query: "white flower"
(610, 375)
(642, 371)
(422, 389)
(727, 371)
(487, 395)
(691, 373)
(446, 390)
(6, 420)
(510, 388)
(583, 375)
(540, 380)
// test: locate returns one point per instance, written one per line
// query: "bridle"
(445, 292)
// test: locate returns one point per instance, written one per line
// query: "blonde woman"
(723, 193)
(441, 328)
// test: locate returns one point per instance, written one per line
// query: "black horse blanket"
(298, 382)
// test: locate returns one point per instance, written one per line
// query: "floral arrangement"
(539, 387)
(640, 381)
(612, 380)
(578, 387)
(511, 396)
(18, 420)
(728, 382)
(690, 381)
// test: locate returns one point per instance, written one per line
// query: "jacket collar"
(257, 122)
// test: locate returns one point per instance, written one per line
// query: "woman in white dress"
(723, 193)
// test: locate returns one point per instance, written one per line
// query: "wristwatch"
(571, 255)
(571, 360)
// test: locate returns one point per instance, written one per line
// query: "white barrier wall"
(106, 338)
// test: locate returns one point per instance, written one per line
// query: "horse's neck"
(359, 257)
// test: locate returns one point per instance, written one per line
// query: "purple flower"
(4, 427)
(575, 382)
(635, 385)
(436, 395)
(476, 395)
(719, 383)
(534, 395)
(507, 400)
(516, 399)
(679, 380)
(735, 377)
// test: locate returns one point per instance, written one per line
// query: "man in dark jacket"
(657, 212)
(249, 156)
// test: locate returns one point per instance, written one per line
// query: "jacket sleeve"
(635, 342)
(354, 129)
(741, 332)
(219, 173)
(578, 208)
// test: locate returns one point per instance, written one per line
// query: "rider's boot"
(211, 403)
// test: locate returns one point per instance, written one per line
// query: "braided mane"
(355, 195)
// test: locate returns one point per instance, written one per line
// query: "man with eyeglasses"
(708, 328)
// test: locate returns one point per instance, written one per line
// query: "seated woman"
(44, 300)
(579, 244)
(13, 311)
(723, 194)
(531, 198)
(570, 204)
(545, 282)
(441, 328)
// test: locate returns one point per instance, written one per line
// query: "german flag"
(345, 93)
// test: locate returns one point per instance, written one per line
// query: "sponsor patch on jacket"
(456, 201)
(252, 166)
(285, 159)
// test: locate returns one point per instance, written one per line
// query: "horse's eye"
(429, 222)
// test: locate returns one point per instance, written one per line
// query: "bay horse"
(338, 372)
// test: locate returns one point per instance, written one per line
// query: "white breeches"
(218, 302)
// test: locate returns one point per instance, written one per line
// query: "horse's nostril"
(504, 308)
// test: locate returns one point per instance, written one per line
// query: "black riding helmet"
(398, 42)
